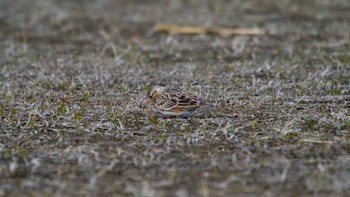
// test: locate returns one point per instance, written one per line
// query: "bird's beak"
(147, 102)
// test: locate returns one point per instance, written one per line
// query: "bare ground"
(74, 77)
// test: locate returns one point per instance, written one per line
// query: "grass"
(73, 86)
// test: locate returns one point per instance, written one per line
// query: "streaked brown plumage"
(171, 102)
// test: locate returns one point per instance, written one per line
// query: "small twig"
(316, 141)
(224, 32)
(177, 29)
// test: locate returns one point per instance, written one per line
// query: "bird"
(173, 102)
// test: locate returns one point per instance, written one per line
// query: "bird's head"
(154, 92)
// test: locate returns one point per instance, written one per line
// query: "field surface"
(74, 77)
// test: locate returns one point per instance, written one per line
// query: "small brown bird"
(171, 102)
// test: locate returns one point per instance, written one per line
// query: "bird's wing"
(177, 101)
